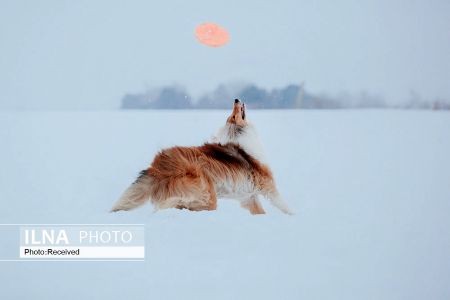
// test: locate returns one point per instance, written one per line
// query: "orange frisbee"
(211, 35)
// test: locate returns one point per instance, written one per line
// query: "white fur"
(243, 190)
(248, 140)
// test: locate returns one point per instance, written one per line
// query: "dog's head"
(240, 131)
(237, 116)
(236, 124)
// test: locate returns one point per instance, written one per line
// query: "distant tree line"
(289, 97)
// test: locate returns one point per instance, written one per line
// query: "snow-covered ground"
(371, 192)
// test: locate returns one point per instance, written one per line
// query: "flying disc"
(212, 35)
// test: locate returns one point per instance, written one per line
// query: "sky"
(76, 55)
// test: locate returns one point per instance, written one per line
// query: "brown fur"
(237, 116)
(253, 206)
(193, 172)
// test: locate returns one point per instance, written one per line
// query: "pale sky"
(88, 54)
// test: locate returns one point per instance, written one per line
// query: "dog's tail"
(136, 194)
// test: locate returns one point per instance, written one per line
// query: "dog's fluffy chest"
(241, 190)
(246, 138)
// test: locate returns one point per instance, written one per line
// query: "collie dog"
(232, 166)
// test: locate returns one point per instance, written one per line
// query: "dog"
(232, 165)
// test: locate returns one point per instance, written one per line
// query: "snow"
(370, 190)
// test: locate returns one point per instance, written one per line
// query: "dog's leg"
(212, 203)
(253, 205)
(278, 202)
(194, 191)
(203, 198)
